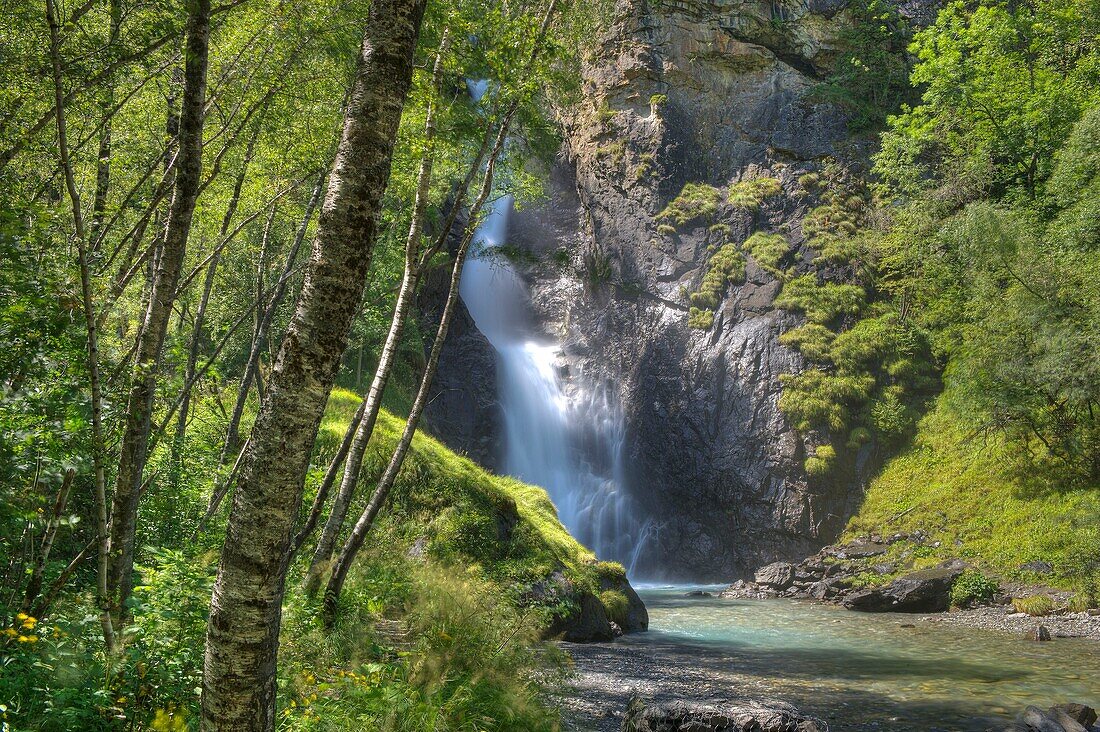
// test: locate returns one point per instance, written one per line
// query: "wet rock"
(775, 576)
(1041, 633)
(1038, 720)
(926, 591)
(1083, 715)
(687, 717)
(698, 593)
(742, 590)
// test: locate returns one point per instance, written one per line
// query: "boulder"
(746, 717)
(776, 576)
(1037, 566)
(1085, 716)
(925, 591)
(1038, 720)
(1041, 633)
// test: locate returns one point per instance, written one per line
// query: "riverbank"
(856, 672)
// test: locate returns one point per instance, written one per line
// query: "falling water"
(570, 445)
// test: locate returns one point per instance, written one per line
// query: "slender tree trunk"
(204, 301)
(103, 164)
(381, 492)
(34, 584)
(103, 597)
(245, 611)
(135, 436)
(264, 318)
(326, 543)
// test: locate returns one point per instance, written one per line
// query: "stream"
(855, 671)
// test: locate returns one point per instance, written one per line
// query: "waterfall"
(570, 445)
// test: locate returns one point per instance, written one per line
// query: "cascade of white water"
(571, 446)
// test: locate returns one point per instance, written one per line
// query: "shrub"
(700, 319)
(821, 462)
(726, 266)
(820, 302)
(1081, 602)
(818, 398)
(1034, 605)
(750, 194)
(696, 200)
(812, 340)
(973, 588)
(768, 250)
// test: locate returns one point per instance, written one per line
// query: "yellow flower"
(29, 623)
(24, 639)
(22, 616)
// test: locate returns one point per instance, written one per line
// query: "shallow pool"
(856, 671)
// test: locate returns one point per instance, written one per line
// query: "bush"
(821, 303)
(812, 340)
(750, 194)
(725, 267)
(769, 250)
(821, 462)
(696, 201)
(1034, 605)
(700, 319)
(973, 588)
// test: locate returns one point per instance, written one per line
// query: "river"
(855, 671)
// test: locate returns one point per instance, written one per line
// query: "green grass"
(696, 201)
(507, 531)
(955, 486)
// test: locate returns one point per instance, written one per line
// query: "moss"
(666, 229)
(726, 265)
(507, 530)
(696, 201)
(750, 194)
(769, 250)
(616, 605)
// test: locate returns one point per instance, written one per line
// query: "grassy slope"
(954, 487)
(500, 528)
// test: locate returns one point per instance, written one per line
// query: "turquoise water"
(862, 671)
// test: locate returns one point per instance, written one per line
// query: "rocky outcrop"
(925, 591)
(680, 93)
(694, 91)
(586, 617)
(746, 717)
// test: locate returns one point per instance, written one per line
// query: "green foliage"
(869, 77)
(821, 462)
(700, 319)
(769, 250)
(696, 201)
(751, 194)
(616, 604)
(726, 266)
(1002, 86)
(1034, 605)
(962, 493)
(812, 340)
(973, 588)
(815, 397)
(822, 303)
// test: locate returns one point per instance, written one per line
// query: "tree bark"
(245, 611)
(139, 407)
(381, 492)
(326, 543)
(264, 318)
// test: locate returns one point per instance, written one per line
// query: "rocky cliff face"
(688, 91)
